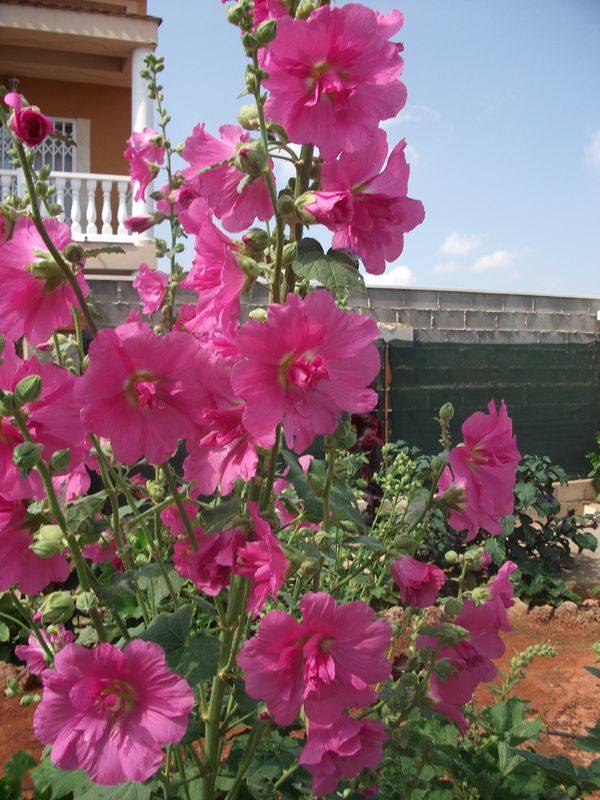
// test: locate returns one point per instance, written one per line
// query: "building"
(80, 62)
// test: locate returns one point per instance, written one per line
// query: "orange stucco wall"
(108, 108)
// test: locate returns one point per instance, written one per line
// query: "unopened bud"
(250, 42)
(454, 498)
(258, 314)
(446, 413)
(480, 594)
(55, 209)
(26, 700)
(452, 607)
(28, 389)
(305, 9)
(248, 117)
(155, 490)
(74, 253)
(60, 460)
(57, 607)
(26, 455)
(439, 462)
(45, 549)
(256, 240)
(450, 634)
(290, 252)
(286, 207)
(248, 265)
(301, 202)
(404, 544)
(50, 533)
(266, 32)
(451, 557)
(251, 159)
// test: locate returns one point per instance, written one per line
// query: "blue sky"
(502, 125)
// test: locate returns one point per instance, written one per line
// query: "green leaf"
(336, 270)
(201, 658)
(4, 632)
(11, 784)
(525, 493)
(222, 516)
(64, 784)
(170, 631)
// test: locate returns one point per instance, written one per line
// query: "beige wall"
(107, 107)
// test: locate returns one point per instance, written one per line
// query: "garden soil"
(560, 689)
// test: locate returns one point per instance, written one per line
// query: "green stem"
(59, 359)
(268, 485)
(172, 484)
(285, 775)
(181, 770)
(78, 336)
(327, 491)
(32, 624)
(246, 760)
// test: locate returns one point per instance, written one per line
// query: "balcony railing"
(94, 205)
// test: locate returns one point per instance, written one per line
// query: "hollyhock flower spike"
(367, 210)
(263, 562)
(28, 124)
(334, 77)
(55, 637)
(305, 365)
(419, 583)
(220, 185)
(151, 285)
(144, 152)
(327, 662)
(19, 565)
(267, 9)
(110, 712)
(142, 391)
(341, 750)
(36, 298)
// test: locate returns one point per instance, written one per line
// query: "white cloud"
(457, 244)
(592, 151)
(410, 114)
(495, 260)
(396, 276)
(445, 267)
(412, 154)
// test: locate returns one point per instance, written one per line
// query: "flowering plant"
(221, 633)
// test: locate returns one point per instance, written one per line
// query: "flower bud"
(248, 265)
(258, 314)
(453, 498)
(50, 533)
(45, 549)
(305, 199)
(305, 9)
(74, 253)
(451, 557)
(290, 252)
(439, 462)
(26, 700)
(85, 601)
(266, 32)
(256, 240)
(287, 208)
(156, 490)
(452, 607)
(26, 455)
(479, 594)
(28, 389)
(446, 413)
(449, 634)
(60, 460)
(248, 117)
(404, 544)
(57, 607)
(251, 159)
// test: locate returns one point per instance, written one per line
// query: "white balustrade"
(86, 198)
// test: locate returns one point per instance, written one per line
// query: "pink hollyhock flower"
(142, 391)
(182, 198)
(419, 583)
(27, 124)
(110, 712)
(19, 565)
(35, 298)
(222, 450)
(305, 365)
(341, 750)
(484, 467)
(472, 657)
(172, 518)
(219, 184)
(140, 223)
(56, 637)
(52, 420)
(334, 77)
(279, 487)
(215, 276)
(263, 562)
(151, 285)
(210, 566)
(367, 209)
(72, 485)
(143, 153)
(104, 550)
(327, 662)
